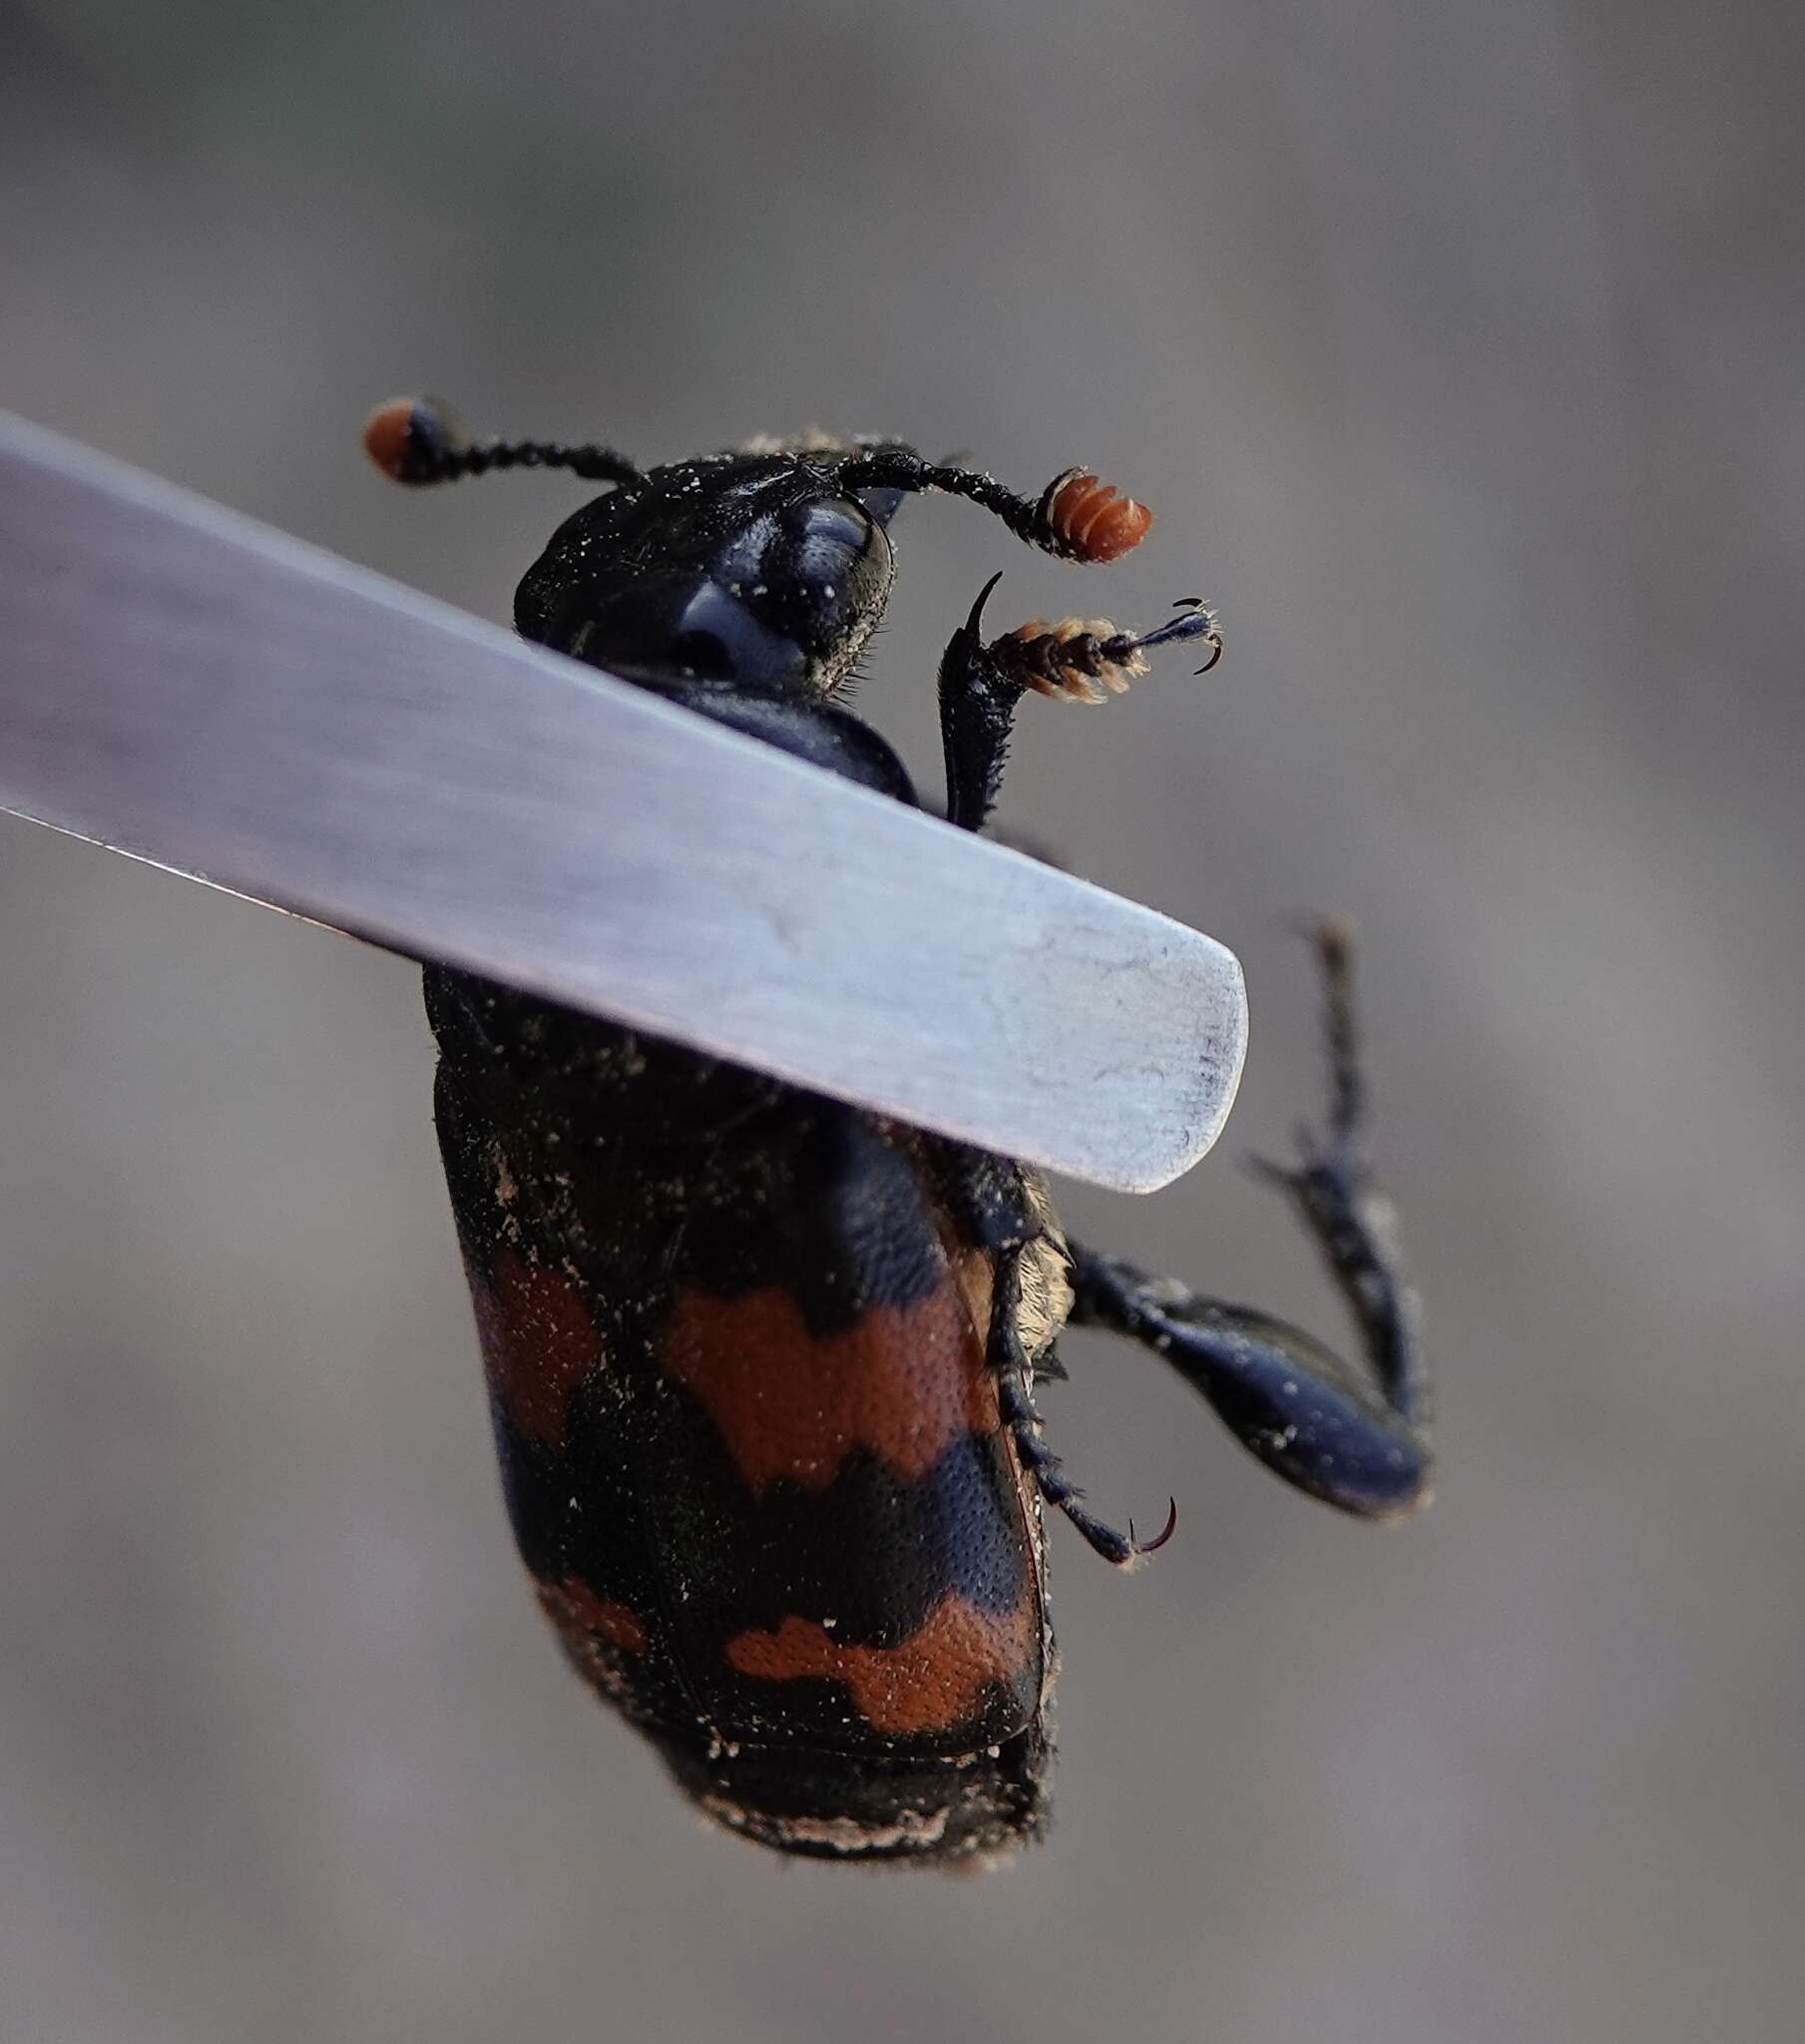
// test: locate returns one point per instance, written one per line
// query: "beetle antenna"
(1075, 516)
(422, 440)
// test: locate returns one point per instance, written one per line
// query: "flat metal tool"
(194, 688)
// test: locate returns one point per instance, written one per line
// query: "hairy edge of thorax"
(1043, 1276)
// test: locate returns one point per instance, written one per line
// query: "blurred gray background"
(1458, 349)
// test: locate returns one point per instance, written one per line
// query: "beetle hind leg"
(1351, 1220)
(1356, 1438)
(1015, 1376)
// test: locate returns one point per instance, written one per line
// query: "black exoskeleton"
(738, 1336)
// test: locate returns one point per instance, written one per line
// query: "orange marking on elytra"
(572, 1606)
(933, 1679)
(539, 1342)
(904, 1381)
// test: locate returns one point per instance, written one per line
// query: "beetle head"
(765, 568)
(750, 570)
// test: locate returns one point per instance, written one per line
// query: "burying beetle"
(761, 1365)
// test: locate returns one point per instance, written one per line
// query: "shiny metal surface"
(191, 687)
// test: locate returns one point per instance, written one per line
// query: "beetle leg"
(1015, 1375)
(1077, 659)
(1355, 1438)
(978, 699)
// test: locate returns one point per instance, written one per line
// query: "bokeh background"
(1458, 349)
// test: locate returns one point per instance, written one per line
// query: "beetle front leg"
(978, 699)
(1077, 659)
(1355, 1438)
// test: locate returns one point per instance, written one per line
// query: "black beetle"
(761, 1365)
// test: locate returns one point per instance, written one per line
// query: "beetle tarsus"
(1087, 660)
(1165, 1532)
(1076, 660)
(1015, 1402)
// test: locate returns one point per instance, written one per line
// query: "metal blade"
(188, 687)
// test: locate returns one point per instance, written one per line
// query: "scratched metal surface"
(203, 690)
(1456, 348)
